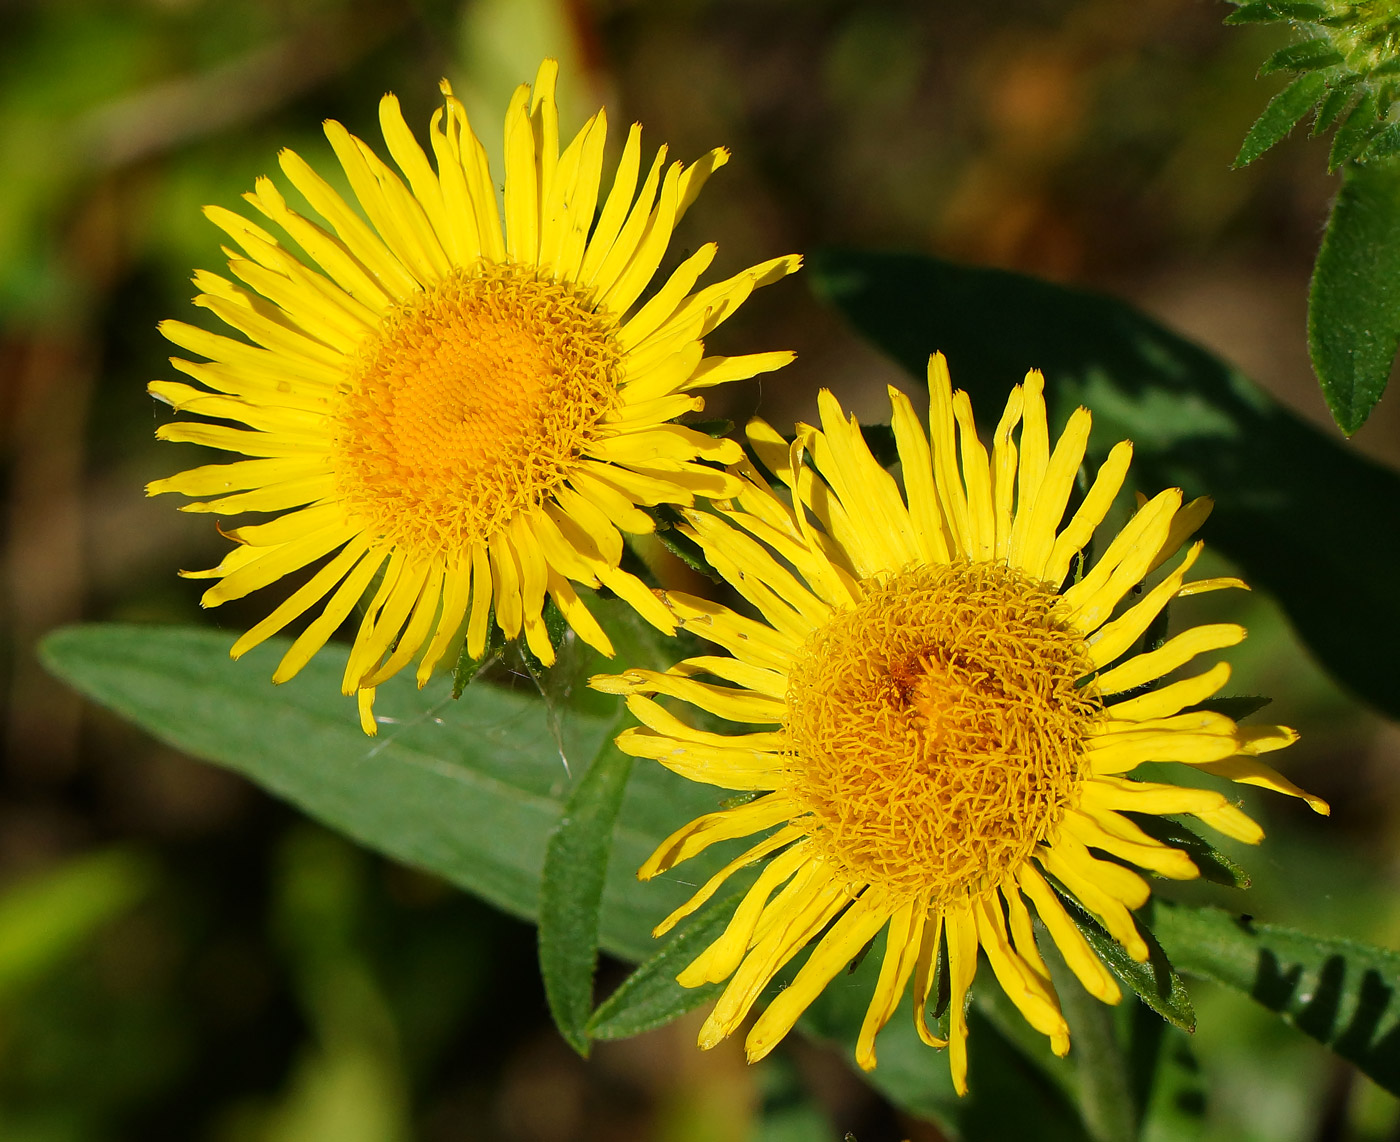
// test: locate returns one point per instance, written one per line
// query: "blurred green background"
(181, 956)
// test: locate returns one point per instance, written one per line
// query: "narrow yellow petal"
(903, 941)
(960, 930)
(450, 631)
(977, 478)
(1033, 996)
(1112, 640)
(304, 597)
(855, 928)
(947, 479)
(615, 207)
(1251, 771)
(578, 616)
(522, 197)
(916, 465)
(1038, 539)
(1034, 455)
(335, 612)
(1174, 652)
(1098, 981)
(793, 868)
(1167, 700)
(482, 594)
(1004, 468)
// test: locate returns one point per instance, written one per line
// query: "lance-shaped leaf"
(1281, 116)
(1306, 56)
(650, 997)
(1354, 302)
(571, 892)
(1340, 992)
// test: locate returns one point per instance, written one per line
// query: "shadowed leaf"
(1340, 992)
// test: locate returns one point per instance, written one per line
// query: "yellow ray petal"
(903, 940)
(960, 930)
(1174, 652)
(1098, 981)
(856, 927)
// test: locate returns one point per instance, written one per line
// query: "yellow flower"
(473, 413)
(953, 718)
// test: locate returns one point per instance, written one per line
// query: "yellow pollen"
(474, 402)
(937, 728)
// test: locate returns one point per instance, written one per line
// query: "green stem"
(1105, 1080)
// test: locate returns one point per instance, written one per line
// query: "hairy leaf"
(470, 790)
(1267, 11)
(1356, 129)
(1308, 55)
(571, 891)
(1155, 981)
(1215, 866)
(1354, 302)
(1281, 116)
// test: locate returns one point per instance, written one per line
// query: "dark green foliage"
(1155, 982)
(1307, 56)
(1215, 866)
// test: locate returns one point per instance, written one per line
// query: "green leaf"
(1171, 1087)
(1294, 508)
(1358, 127)
(468, 669)
(1259, 12)
(1338, 97)
(470, 790)
(681, 546)
(1339, 992)
(1384, 144)
(1281, 116)
(1215, 866)
(1267, 11)
(571, 891)
(1354, 302)
(650, 997)
(1309, 55)
(1236, 708)
(1155, 982)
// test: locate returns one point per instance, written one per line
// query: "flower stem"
(1105, 1082)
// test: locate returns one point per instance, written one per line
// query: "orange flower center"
(937, 728)
(474, 402)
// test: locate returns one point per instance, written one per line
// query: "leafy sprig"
(1347, 62)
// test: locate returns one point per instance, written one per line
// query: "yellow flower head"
(954, 711)
(471, 412)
